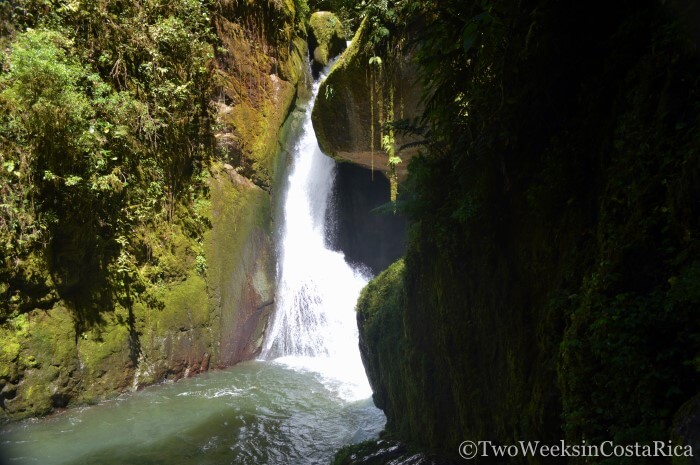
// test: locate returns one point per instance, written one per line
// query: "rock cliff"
(206, 302)
(549, 290)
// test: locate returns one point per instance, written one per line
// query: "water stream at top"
(305, 399)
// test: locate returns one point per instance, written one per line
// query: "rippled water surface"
(298, 408)
(254, 413)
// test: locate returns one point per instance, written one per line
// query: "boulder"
(349, 103)
(326, 39)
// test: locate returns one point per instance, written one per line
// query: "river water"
(307, 396)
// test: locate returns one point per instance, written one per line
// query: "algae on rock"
(383, 345)
(363, 94)
(199, 286)
(326, 39)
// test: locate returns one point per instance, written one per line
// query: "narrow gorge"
(304, 397)
(330, 232)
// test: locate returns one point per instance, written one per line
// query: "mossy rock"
(38, 363)
(177, 340)
(551, 279)
(382, 340)
(250, 133)
(258, 90)
(326, 39)
(216, 317)
(104, 357)
(348, 109)
(203, 297)
(241, 263)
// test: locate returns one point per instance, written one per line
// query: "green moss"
(104, 354)
(46, 361)
(326, 37)
(381, 297)
(184, 305)
(293, 69)
(331, 108)
(383, 342)
(13, 334)
(175, 338)
(183, 281)
(257, 131)
(51, 336)
(262, 90)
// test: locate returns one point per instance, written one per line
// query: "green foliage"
(303, 10)
(386, 23)
(637, 346)
(46, 115)
(201, 264)
(107, 157)
(106, 128)
(381, 16)
(551, 276)
(384, 33)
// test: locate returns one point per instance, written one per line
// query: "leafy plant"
(104, 127)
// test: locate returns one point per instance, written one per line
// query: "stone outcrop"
(348, 104)
(326, 39)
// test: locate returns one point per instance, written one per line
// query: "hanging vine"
(385, 107)
(389, 146)
(376, 86)
(385, 38)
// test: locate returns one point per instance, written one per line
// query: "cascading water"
(314, 324)
(300, 405)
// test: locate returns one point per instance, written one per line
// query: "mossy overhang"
(347, 106)
(326, 39)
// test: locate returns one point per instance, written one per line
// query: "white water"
(301, 406)
(314, 326)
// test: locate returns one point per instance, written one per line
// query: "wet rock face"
(244, 276)
(326, 39)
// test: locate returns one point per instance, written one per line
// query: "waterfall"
(314, 326)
